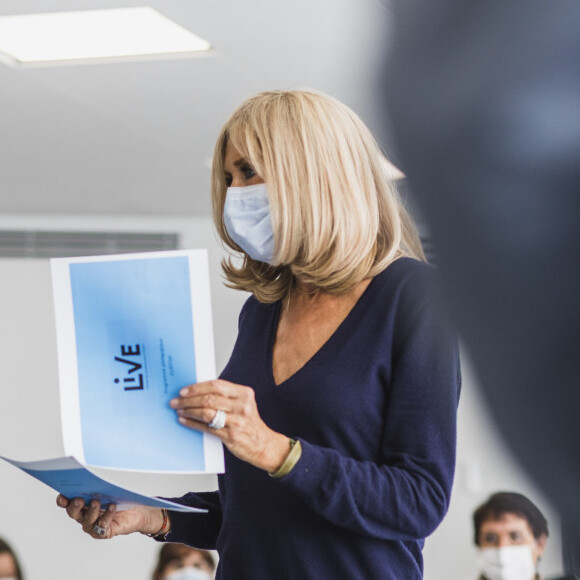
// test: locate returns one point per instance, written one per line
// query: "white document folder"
(132, 330)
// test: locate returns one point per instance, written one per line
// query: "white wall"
(52, 546)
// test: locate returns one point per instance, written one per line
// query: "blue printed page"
(133, 330)
(70, 478)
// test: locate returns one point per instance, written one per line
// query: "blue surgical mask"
(248, 221)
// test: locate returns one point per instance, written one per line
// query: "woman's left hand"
(244, 433)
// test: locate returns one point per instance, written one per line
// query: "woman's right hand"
(109, 521)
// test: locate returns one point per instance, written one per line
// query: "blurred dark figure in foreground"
(484, 102)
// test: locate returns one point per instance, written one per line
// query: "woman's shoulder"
(252, 304)
(405, 267)
(252, 308)
(408, 275)
(410, 287)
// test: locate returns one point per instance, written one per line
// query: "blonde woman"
(338, 405)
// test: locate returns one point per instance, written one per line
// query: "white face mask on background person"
(188, 573)
(248, 221)
(507, 563)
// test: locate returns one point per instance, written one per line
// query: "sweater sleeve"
(405, 494)
(199, 530)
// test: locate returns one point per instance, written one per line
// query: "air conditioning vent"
(61, 244)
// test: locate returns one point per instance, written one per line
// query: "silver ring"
(219, 420)
(99, 530)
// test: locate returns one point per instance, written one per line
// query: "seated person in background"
(180, 562)
(9, 566)
(510, 532)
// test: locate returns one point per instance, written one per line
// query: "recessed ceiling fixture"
(60, 37)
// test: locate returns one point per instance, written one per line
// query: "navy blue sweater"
(375, 411)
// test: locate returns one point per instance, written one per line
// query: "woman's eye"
(248, 172)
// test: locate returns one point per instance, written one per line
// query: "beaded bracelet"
(164, 529)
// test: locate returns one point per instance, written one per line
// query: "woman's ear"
(540, 546)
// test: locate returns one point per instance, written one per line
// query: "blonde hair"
(337, 216)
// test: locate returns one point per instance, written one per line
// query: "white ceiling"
(136, 137)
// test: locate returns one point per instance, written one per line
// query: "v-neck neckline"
(332, 338)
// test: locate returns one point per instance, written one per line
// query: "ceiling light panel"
(94, 34)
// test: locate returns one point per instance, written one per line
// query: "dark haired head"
(6, 549)
(170, 552)
(507, 502)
